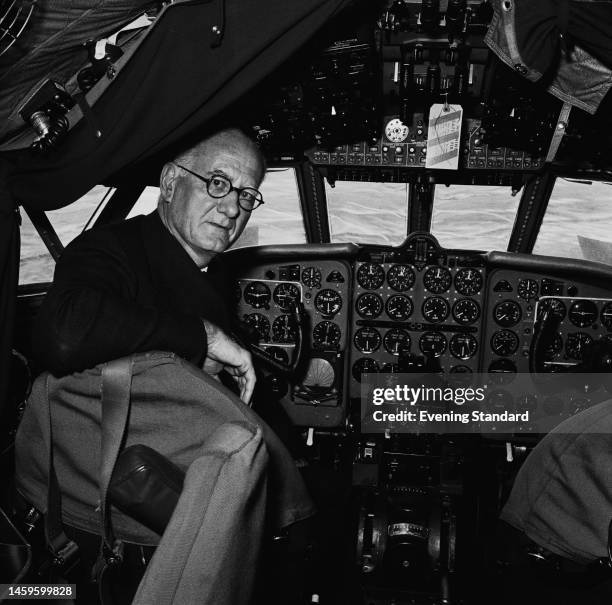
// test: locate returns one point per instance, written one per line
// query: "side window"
(278, 221)
(577, 222)
(146, 203)
(36, 264)
(71, 220)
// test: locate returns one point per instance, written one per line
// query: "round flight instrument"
(396, 131)
(466, 311)
(433, 343)
(369, 305)
(468, 281)
(326, 334)
(556, 306)
(401, 277)
(576, 343)
(399, 307)
(260, 323)
(283, 329)
(504, 343)
(311, 277)
(364, 365)
(285, 295)
(435, 309)
(507, 313)
(370, 276)
(396, 340)
(328, 302)
(257, 294)
(606, 315)
(527, 289)
(367, 340)
(437, 279)
(463, 346)
(583, 313)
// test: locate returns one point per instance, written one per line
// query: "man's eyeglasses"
(219, 186)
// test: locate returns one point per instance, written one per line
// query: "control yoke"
(297, 317)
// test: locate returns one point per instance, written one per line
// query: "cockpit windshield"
(372, 213)
(479, 218)
(577, 222)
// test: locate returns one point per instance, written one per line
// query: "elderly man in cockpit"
(140, 285)
(150, 284)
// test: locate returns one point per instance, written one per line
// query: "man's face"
(204, 225)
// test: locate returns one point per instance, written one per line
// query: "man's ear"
(167, 181)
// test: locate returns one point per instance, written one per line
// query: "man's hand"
(226, 354)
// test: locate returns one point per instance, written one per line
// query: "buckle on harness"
(113, 556)
(66, 557)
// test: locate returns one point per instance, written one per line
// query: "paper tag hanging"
(443, 136)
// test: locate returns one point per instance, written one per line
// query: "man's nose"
(228, 205)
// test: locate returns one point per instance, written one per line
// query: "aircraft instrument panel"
(420, 307)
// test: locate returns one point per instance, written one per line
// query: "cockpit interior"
(398, 121)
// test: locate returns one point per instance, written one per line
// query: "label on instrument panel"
(443, 136)
(408, 530)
